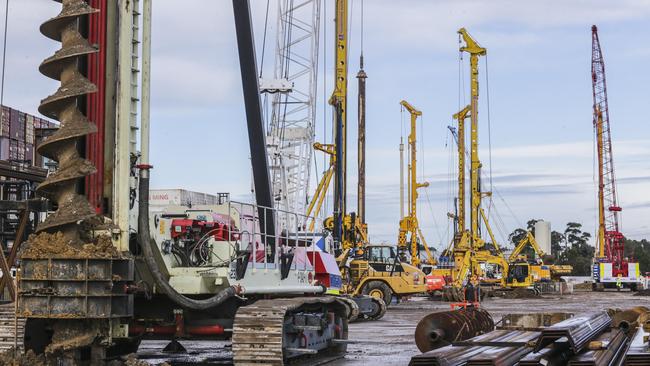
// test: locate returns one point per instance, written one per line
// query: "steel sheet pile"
(575, 332)
(639, 353)
(584, 340)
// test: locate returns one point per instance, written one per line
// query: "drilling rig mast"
(339, 100)
(460, 142)
(409, 224)
(611, 265)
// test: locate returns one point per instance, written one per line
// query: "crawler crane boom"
(610, 264)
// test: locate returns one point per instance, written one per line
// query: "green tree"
(639, 251)
(516, 236)
(557, 239)
(578, 253)
(531, 225)
(574, 236)
(519, 234)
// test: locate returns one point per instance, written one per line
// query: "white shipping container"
(167, 197)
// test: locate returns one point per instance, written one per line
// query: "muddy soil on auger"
(46, 245)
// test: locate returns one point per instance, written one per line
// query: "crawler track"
(352, 308)
(270, 332)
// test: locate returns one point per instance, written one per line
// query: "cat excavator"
(524, 271)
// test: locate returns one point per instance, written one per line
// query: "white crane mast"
(291, 132)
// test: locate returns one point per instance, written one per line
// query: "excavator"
(104, 271)
(526, 272)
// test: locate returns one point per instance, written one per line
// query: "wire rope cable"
(487, 93)
(423, 176)
(4, 53)
(266, 23)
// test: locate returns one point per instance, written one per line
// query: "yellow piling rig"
(409, 224)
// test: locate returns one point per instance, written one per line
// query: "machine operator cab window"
(518, 272)
(382, 258)
(382, 254)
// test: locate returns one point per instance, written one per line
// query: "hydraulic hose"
(145, 241)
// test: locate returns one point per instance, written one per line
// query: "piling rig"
(409, 224)
(610, 263)
(468, 249)
(103, 272)
(470, 252)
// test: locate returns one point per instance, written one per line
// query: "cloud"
(578, 149)
(642, 204)
(432, 23)
(542, 156)
(193, 83)
(636, 179)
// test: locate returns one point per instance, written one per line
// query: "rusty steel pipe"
(629, 318)
(443, 328)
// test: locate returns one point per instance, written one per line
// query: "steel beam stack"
(578, 331)
(590, 339)
(608, 348)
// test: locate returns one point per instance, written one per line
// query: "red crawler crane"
(610, 267)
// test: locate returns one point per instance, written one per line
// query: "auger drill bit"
(442, 328)
(63, 146)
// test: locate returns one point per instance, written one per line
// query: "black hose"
(144, 238)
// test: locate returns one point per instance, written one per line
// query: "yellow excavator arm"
(529, 239)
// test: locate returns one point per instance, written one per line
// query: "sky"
(535, 103)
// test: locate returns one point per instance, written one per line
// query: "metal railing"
(269, 249)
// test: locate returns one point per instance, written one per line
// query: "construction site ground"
(389, 341)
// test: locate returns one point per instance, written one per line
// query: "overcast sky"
(540, 103)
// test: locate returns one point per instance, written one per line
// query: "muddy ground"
(390, 340)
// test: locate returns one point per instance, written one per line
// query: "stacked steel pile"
(17, 134)
(599, 338)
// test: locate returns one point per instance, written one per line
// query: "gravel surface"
(389, 341)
